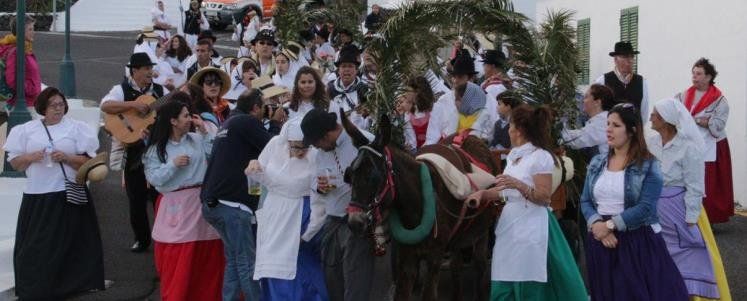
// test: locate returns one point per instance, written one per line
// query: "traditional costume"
(632, 88)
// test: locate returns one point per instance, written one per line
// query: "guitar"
(127, 126)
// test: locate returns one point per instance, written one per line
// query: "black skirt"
(58, 248)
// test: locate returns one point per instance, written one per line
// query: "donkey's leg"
(407, 265)
(455, 267)
(430, 287)
(482, 268)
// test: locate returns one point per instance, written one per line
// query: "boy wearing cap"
(120, 99)
(351, 278)
(627, 86)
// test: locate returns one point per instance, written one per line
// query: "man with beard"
(120, 99)
(204, 51)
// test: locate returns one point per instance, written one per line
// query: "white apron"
(520, 250)
(278, 237)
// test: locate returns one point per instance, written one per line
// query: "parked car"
(221, 13)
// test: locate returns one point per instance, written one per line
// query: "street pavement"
(99, 62)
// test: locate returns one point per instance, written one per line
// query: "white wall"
(117, 15)
(672, 35)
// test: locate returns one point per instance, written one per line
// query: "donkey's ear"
(384, 132)
(358, 138)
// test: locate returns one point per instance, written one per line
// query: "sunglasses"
(624, 105)
(213, 82)
(264, 43)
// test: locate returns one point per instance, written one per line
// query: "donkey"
(384, 179)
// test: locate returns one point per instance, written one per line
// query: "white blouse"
(70, 136)
(609, 192)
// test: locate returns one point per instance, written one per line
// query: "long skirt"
(719, 188)
(57, 249)
(718, 265)
(309, 284)
(686, 244)
(189, 270)
(639, 268)
(563, 278)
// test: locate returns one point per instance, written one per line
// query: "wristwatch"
(610, 225)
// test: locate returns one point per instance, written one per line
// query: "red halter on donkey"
(385, 179)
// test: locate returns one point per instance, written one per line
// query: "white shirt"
(644, 100)
(520, 249)
(444, 120)
(303, 108)
(69, 136)
(609, 192)
(491, 104)
(326, 163)
(594, 133)
(681, 166)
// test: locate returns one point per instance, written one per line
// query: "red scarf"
(709, 97)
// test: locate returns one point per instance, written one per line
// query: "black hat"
(463, 64)
(623, 48)
(265, 35)
(207, 34)
(139, 59)
(316, 124)
(348, 54)
(345, 32)
(495, 58)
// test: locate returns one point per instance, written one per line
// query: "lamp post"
(20, 114)
(67, 68)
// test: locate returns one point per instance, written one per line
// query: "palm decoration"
(295, 15)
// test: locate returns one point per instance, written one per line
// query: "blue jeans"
(235, 229)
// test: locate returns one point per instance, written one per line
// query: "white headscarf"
(675, 113)
(283, 174)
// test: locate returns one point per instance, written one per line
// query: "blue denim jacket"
(643, 186)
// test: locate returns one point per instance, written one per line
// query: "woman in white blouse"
(593, 136)
(308, 93)
(288, 262)
(58, 244)
(679, 146)
(531, 258)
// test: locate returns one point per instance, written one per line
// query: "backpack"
(6, 92)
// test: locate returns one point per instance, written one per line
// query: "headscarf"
(473, 100)
(675, 113)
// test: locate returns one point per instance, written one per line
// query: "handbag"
(75, 193)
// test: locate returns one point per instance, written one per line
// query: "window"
(629, 29)
(583, 32)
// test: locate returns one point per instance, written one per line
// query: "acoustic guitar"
(127, 126)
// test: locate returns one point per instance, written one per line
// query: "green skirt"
(563, 278)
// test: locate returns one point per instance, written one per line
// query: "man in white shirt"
(350, 278)
(496, 81)
(627, 86)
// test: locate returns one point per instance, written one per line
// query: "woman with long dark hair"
(197, 104)
(416, 105)
(308, 93)
(175, 164)
(626, 256)
(177, 52)
(531, 258)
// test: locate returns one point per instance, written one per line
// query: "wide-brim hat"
(463, 64)
(197, 78)
(140, 59)
(268, 87)
(292, 50)
(95, 169)
(348, 54)
(266, 35)
(624, 48)
(495, 58)
(148, 33)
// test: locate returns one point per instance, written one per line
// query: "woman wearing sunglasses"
(287, 262)
(215, 84)
(627, 258)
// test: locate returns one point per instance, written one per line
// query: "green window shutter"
(583, 39)
(629, 29)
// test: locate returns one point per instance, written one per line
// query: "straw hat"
(268, 87)
(94, 169)
(148, 32)
(197, 78)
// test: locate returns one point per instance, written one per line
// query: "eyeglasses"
(56, 105)
(213, 82)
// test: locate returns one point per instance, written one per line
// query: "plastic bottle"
(48, 155)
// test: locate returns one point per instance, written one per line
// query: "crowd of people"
(246, 160)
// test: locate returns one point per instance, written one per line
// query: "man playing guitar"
(121, 99)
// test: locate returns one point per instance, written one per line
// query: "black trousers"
(138, 193)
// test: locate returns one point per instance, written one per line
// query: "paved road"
(99, 59)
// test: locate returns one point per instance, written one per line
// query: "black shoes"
(139, 247)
